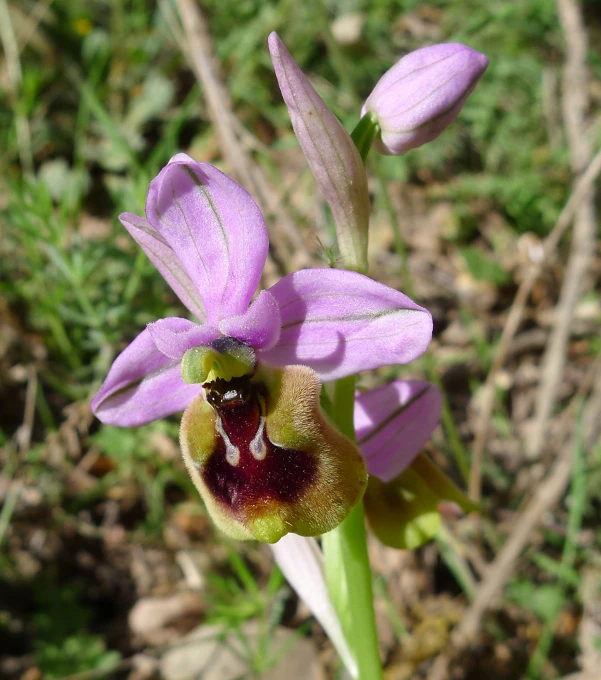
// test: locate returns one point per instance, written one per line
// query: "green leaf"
(155, 98)
(560, 571)
(545, 601)
(482, 267)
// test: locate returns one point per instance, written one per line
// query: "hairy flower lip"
(266, 460)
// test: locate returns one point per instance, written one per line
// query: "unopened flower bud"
(422, 94)
(331, 154)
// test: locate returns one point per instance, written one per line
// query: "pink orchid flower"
(262, 454)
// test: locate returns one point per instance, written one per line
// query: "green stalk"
(349, 543)
(364, 635)
(366, 130)
(345, 548)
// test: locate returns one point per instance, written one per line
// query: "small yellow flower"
(82, 26)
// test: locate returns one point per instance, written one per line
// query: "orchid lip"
(266, 460)
(275, 473)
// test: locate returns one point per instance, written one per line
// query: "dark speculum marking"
(246, 469)
(227, 345)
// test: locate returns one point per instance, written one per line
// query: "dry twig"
(35, 17)
(198, 48)
(546, 496)
(575, 104)
(581, 188)
(580, 207)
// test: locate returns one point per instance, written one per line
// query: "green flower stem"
(349, 542)
(364, 636)
(365, 132)
(345, 548)
(344, 406)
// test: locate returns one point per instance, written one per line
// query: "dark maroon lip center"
(280, 475)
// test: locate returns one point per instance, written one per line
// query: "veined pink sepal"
(393, 422)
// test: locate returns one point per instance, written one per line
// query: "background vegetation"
(97, 522)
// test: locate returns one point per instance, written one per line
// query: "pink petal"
(143, 385)
(301, 562)
(215, 229)
(394, 422)
(340, 322)
(331, 154)
(165, 260)
(174, 336)
(259, 326)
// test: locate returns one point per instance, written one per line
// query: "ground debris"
(158, 620)
(213, 654)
